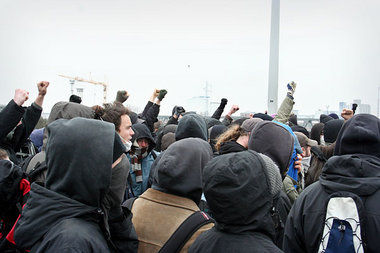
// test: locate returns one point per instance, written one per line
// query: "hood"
(179, 170)
(323, 118)
(191, 125)
(273, 140)
(359, 174)
(171, 128)
(167, 140)
(239, 201)
(142, 131)
(315, 132)
(67, 110)
(79, 156)
(214, 133)
(43, 210)
(359, 135)
(210, 122)
(331, 130)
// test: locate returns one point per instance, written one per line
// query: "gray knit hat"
(250, 124)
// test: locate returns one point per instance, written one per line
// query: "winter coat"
(67, 215)
(174, 195)
(142, 131)
(355, 168)
(10, 116)
(241, 205)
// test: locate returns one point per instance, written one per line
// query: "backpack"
(35, 172)
(14, 191)
(344, 229)
(183, 233)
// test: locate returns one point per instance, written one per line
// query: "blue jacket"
(139, 188)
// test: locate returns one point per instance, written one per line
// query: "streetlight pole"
(274, 57)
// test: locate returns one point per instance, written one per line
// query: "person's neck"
(243, 140)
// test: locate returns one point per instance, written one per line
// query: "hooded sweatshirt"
(355, 168)
(141, 131)
(273, 140)
(241, 204)
(191, 125)
(174, 195)
(65, 215)
(61, 110)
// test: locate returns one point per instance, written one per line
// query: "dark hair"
(75, 99)
(111, 112)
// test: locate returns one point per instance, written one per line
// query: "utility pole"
(274, 57)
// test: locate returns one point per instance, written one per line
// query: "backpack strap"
(153, 154)
(183, 233)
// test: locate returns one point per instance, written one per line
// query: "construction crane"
(79, 79)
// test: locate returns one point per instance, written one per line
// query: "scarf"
(137, 155)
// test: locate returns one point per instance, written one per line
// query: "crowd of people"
(106, 179)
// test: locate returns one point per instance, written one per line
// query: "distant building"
(362, 108)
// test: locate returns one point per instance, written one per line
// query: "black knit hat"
(331, 130)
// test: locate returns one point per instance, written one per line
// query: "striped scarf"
(137, 155)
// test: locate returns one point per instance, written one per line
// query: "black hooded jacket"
(191, 125)
(66, 216)
(355, 168)
(241, 204)
(179, 170)
(274, 141)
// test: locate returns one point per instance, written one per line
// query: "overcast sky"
(329, 47)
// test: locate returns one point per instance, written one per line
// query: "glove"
(223, 102)
(179, 110)
(291, 88)
(162, 94)
(122, 96)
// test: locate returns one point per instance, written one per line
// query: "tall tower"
(274, 57)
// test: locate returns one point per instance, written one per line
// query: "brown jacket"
(157, 215)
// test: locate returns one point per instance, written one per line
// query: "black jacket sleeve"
(147, 106)
(29, 121)
(151, 116)
(10, 116)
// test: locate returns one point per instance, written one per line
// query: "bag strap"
(183, 233)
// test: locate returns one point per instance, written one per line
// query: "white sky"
(329, 47)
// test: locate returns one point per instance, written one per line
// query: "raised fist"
(42, 87)
(20, 96)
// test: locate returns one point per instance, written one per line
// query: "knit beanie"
(331, 130)
(315, 132)
(325, 118)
